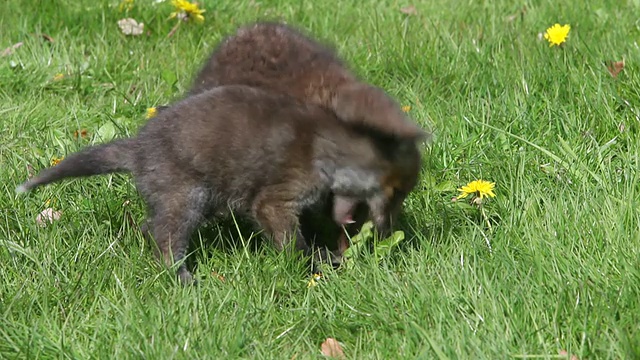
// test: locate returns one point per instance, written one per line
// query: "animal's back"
(277, 57)
(240, 138)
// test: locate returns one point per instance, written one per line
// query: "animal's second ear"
(370, 106)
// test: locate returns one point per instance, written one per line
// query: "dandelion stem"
(486, 219)
(174, 29)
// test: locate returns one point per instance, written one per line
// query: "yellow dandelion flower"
(55, 161)
(406, 108)
(314, 280)
(58, 77)
(557, 34)
(151, 112)
(186, 9)
(479, 188)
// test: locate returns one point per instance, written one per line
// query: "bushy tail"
(116, 156)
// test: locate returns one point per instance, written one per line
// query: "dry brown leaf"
(331, 347)
(11, 49)
(409, 10)
(220, 277)
(48, 216)
(44, 36)
(615, 67)
(47, 37)
(82, 133)
(130, 26)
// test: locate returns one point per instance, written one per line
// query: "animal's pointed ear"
(369, 106)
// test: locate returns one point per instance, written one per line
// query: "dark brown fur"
(280, 58)
(241, 149)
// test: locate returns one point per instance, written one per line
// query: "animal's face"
(382, 181)
(401, 163)
(395, 135)
(344, 216)
(403, 178)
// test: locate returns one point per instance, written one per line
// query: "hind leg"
(173, 218)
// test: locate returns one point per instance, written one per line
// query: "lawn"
(548, 268)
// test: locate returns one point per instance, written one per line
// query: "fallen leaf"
(331, 347)
(130, 26)
(409, 10)
(82, 133)
(58, 77)
(216, 274)
(615, 67)
(45, 36)
(406, 108)
(48, 215)
(11, 49)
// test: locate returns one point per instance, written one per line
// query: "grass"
(553, 265)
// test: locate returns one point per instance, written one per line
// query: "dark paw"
(186, 278)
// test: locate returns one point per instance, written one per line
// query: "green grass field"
(551, 266)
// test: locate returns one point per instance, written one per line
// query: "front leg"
(279, 219)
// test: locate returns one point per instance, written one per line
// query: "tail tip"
(22, 189)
